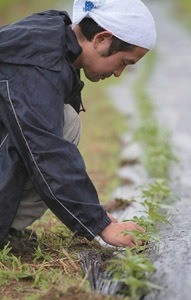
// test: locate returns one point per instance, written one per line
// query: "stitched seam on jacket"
(35, 163)
(3, 141)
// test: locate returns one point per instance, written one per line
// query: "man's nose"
(118, 72)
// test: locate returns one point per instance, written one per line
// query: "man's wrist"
(99, 228)
(105, 231)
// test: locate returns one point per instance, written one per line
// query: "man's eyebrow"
(129, 61)
(132, 62)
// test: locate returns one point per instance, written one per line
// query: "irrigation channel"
(169, 88)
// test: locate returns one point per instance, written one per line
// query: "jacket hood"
(42, 39)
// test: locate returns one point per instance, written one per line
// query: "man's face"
(102, 66)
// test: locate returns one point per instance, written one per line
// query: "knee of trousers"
(30, 208)
(72, 125)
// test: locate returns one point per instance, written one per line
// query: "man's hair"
(90, 28)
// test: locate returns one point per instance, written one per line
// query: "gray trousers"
(31, 206)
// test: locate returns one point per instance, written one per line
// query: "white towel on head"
(128, 20)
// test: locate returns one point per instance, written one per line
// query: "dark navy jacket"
(36, 79)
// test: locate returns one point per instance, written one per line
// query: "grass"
(53, 265)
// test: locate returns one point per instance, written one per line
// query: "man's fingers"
(131, 245)
(128, 241)
(133, 242)
(133, 226)
(140, 243)
(141, 229)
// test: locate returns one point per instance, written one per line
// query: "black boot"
(21, 241)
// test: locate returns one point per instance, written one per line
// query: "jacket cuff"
(98, 229)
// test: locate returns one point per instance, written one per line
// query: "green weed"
(39, 255)
(131, 270)
(158, 191)
(4, 253)
(13, 269)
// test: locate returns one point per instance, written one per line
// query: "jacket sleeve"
(32, 111)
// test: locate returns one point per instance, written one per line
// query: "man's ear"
(102, 39)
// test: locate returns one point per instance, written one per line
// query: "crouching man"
(40, 61)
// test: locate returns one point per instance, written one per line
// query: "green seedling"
(132, 270)
(157, 191)
(156, 211)
(139, 236)
(147, 223)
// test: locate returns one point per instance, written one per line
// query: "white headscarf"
(128, 20)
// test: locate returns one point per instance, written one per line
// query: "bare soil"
(74, 293)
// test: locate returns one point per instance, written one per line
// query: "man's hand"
(114, 235)
(112, 218)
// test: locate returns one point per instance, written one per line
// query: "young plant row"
(132, 268)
